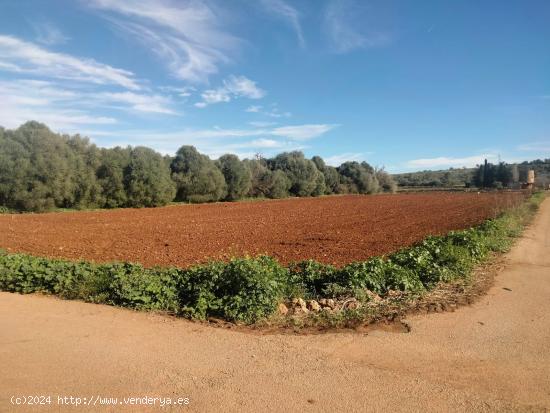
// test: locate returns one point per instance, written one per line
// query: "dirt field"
(334, 230)
(492, 356)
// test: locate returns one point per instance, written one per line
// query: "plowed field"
(337, 230)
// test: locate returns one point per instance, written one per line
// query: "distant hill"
(458, 177)
(463, 177)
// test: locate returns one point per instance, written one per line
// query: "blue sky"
(407, 85)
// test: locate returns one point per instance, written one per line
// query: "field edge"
(261, 293)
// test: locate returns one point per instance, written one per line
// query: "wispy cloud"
(272, 112)
(542, 147)
(445, 161)
(24, 100)
(187, 35)
(337, 160)
(233, 87)
(253, 109)
(266, 143)
(281, 9)
(23, 57)
(137, 102)
(302, 132)
(216, 141)
(261, 124)
(67, 106)
(346, 29)
(48, 34)
(292, 132)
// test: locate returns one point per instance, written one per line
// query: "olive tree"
(302, 172)
(147, 179)
(236, 174)
(196, 176)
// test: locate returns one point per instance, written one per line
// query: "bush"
(245, 289)
(310, 279)
(250, 289)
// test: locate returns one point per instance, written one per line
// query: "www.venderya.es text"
(97, 400)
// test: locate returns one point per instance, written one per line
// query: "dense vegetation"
(453, 177)
(249, 289)
(487, 175)
(41, 170)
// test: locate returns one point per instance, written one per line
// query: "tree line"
(443, 178)
(41, 170)
(486, 175)
(503, 175)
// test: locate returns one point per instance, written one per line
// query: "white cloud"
(253, 109)
(272, 112)
(217, 141)
(213, 96)
(186, 35)
(243, 87)
(260, 124)
(266, 143)
(337, 160)
(542, 147)
(67, 108)
(294, 132)
(138, 102)
(346, 28)
(302, 132)
(288, 13)
(233, 87)
(275, 113)
(20, 56)
(48, 34)
(67, 120)
(444, 161)
(24, 100)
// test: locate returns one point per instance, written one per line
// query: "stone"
(313, 305)
(300, 306)
(351, 304)
(327, 303)
(282, 309)
(373, 296)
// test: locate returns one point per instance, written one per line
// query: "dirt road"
(492, 356)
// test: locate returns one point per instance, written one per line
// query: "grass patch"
(248, 290)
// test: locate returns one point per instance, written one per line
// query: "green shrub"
(369, 274)
(135, 287)
(250, 289)
(310, 279)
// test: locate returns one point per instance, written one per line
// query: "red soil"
(337, 229)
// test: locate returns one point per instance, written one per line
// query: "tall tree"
(147, 180)
(359, 177)
(197, 177)
(302, 172)
(237, 176)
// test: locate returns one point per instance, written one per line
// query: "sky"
(402, 84)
